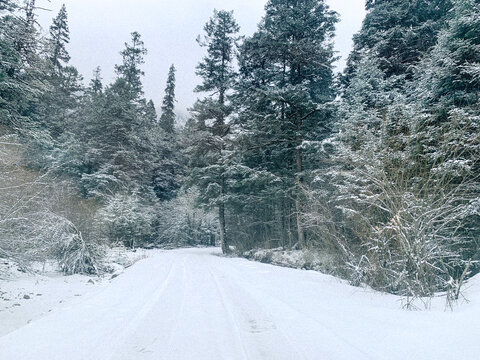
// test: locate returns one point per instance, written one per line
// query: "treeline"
(376, 167)
(84, 166)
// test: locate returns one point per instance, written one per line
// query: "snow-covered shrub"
(402, 212)
(307, 259)
(127, 219)
(181, 223)
(42, 218)
(419, 249)
(70, 250)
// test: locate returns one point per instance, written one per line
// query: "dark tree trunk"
(299, 169)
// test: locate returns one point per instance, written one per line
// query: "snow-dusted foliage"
(72, 154)
(69, 248)
(34, 211)
(127, 219)
(404, 175)
(182, 223)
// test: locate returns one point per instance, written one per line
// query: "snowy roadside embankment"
(295, 259)
(28, 296)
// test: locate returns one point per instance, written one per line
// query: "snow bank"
(296, 259)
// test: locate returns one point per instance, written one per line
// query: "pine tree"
(398, 33)
(20, 68)
(217, 74)
(167, 119)
(59, 38)
(129, 70)
(96, 85)
(63, 79)
(286, 83)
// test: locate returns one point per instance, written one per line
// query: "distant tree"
(150, 112)
(167, 119)
(64, 80)
(132, 59)
(59, 38)
(96, 85)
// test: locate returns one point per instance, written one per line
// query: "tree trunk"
(301, 234)
(221, 220)
(299, 168)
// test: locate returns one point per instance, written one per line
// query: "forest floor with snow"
(196, 304)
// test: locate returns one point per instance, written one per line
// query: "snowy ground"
(194, 304)
(26, 296)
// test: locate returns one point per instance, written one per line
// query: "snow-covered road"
(194, 304)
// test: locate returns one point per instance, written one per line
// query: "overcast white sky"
(99, 28)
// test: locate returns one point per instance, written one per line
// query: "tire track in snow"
(228, 311)
(181, 310)
(261, 317)
(322, 325)
(147, 307)
(262, 294)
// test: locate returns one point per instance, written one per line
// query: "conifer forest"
(371, 173)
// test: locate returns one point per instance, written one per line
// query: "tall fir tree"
(58, 40)
(217, 73)
(167, 119)
(283, 96)
(132, 59)
(64, 80)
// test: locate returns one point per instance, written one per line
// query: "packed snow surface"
(195, 304)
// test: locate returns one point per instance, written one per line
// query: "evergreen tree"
(150, 112)
(286, 83)
(405, 148)
(129, 70)
(96, 85)
(20, 68)
(217, 73)
(59, 38)
(122, 147)
(450, 75)
(398, 33)
(167, 119)
(64, 80)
